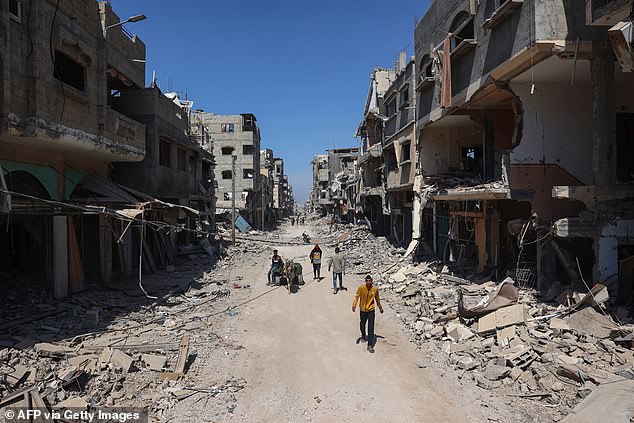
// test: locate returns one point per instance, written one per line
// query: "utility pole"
(233, 198)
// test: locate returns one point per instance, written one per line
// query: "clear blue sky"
(301, 67)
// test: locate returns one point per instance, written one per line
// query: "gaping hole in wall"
(69, 71)
(247, 174)
(625, 147)
(226, 151)
(471, 159)
(248, 149)
(226, 174)
(164, 152)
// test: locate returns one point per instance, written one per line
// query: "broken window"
(181, 156)
(69, 71)
(472, 160)
(226, 174)
(247, 174)
(164, 152)
(405, 96)
(405, 151)
(462, 29)
(15, 10)
(390, 108)
(227, 196)
(390, 159)
(247, 149)
(227, 127)
(226, 151)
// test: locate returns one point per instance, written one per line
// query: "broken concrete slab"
(51, 350)
(496, 372)
(154, 362)
(590, 322)
(468, 363)
(613, 399)
(123, 360)
(502, 318)
(458, 332)
(75, 403)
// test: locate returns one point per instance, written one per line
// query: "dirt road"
(298, 356)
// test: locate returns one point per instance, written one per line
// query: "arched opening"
(25, 240)
(426, 68)
(462, 29)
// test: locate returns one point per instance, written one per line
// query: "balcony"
(606, 12)
(119, 138)
(124, 135)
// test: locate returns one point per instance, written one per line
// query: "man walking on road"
(315, 259)
(366, 295)
(338, 265)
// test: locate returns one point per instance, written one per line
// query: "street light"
(136, 18)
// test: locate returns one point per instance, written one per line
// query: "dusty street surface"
(216, 344)
(301, 362)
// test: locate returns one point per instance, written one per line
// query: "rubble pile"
(496, 335)
(114, 348)
(503, 338)
(365, 253)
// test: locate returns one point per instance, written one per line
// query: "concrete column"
(603, 113)
(546, 263)
(60, 256)
(105, 248)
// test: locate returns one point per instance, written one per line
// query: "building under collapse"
(523, 141)
(335, 183)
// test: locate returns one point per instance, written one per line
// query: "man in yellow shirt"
(367, 294)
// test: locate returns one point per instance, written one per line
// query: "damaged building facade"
(235, 136)
(335, 183)
(399, 149)
(59, 135)
(524, 127)
(176, 169)
(371, 184)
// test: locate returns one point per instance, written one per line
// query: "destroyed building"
(239, 136)
(399, 149)
(319, 198)
(283, 202)
(342, 174)
(175, 168)
(58, 137)
(524, 124)
(371, 185)
(267, 168)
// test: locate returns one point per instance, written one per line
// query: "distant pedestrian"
(276, 267)
(338, 265)
(366, 295)
(292, 221)
(315, 259)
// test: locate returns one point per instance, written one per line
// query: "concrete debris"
(496, 335)
(54, 356)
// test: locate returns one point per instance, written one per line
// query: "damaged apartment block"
(525, 131)
(88, 155)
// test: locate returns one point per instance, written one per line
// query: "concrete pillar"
(105, 248)
(60, 256)
(603, 113)
(546, 262)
